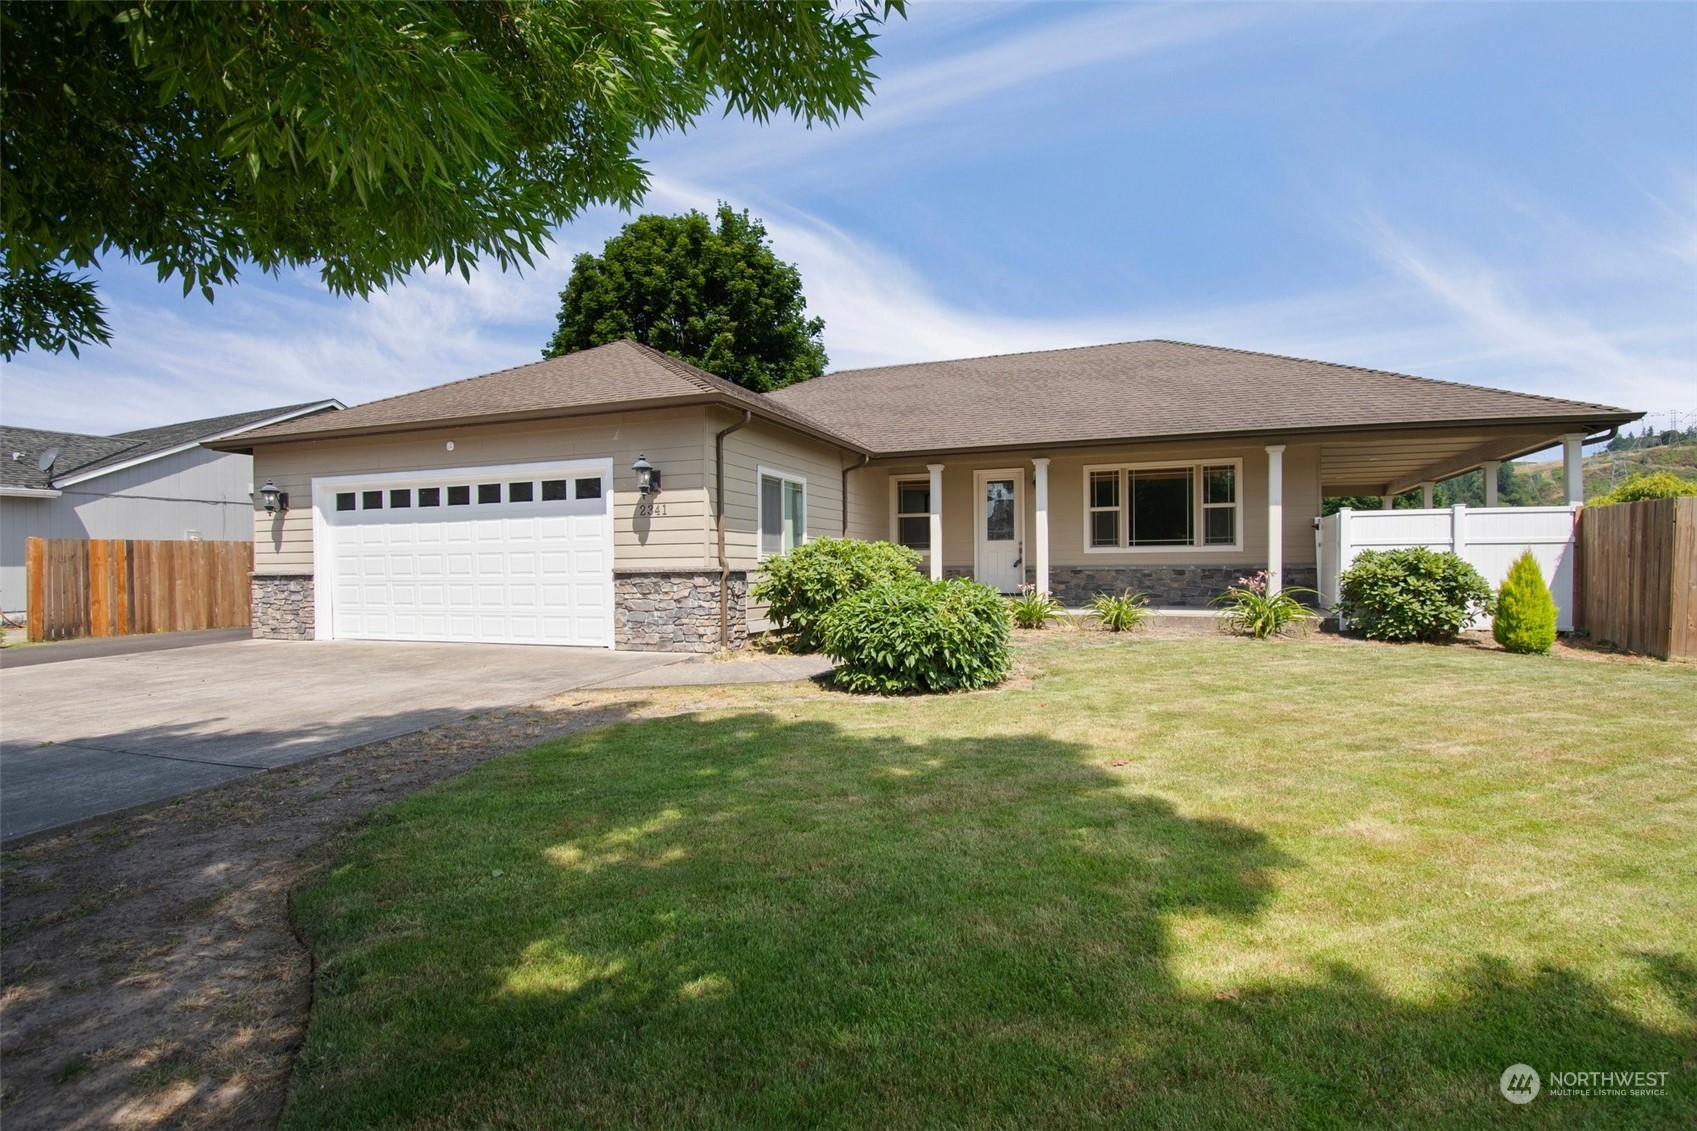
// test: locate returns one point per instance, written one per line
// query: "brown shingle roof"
(620, 374)
(1137, 390)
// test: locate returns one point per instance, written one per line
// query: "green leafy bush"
(1120, 613)
(1414, 594)
(1647, 485)
(917, 635)
(1249, 610)
(800, 586)
(1526, 613)
(1032, 609)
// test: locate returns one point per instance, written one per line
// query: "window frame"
(897, 514)
(761, 474)
(1199, 532)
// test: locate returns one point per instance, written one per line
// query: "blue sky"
(1503, 194)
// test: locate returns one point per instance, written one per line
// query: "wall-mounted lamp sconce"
(272, 499)
(647, 476)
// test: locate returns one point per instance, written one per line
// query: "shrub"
(1249, 610)
(1647, 485)
(1526, 613)
(1122, 613)
(801, 585)
(1414, 594)
(917, 635)
(1032, 609)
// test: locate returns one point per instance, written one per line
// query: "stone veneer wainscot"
(283, 607)
(1178, 587)
(662, 610)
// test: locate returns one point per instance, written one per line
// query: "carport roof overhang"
(1392, 460)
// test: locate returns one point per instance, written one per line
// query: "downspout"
(864, 460)
(719, 521)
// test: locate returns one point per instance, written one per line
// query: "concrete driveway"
(89, 736)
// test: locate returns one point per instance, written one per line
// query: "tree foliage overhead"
(373, 137)
(714, 296)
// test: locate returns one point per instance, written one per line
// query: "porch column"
(1489, 471)
(1426, 490)
(1275, 517)
(1387, 502)
(936, 470)
(1042, 532)
(1573, 466)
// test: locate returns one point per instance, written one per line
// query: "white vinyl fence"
(1488, 538)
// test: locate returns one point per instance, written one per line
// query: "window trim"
(897, 514)
(1197, 544)
(761, 473)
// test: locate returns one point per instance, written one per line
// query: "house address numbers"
(650, 510)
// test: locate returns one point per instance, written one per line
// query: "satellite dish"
(45, 459)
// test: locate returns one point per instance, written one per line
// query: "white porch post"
(936, 470)
(1275, 517)
(1573, 467)
(1387, 502)
(1042, 532)
(1426, 490)
(1489, 471)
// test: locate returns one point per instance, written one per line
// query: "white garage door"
(512, 555)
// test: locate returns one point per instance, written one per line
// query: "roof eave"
(95, 472)
(28, 493)
(1557, 424)
(245, 444)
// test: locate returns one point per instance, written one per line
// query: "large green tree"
(713, 295)
(373, 137)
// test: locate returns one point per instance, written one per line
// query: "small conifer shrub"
(1526, 613)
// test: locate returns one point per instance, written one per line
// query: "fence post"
(35, 572)
(1458, 530)
(1341, 556)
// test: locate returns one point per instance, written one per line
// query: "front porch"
(1180, 522)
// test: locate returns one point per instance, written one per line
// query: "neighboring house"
(506, 507)
(155, 483)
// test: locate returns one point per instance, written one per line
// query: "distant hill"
(1607, 470)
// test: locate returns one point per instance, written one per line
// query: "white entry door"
(1000, 518)
(500, 555)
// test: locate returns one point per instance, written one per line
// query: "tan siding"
(671, 439)
(869, 505)
(763, 445)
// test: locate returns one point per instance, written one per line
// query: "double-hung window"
(1152, 507)
(913, 514)
(783, 512)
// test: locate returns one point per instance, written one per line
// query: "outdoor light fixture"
(647, 476)
(273, 499)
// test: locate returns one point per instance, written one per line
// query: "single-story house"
(510, 507)
(154, 483)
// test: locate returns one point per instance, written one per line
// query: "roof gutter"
(719, 522)
(864, 460)
(28, 493)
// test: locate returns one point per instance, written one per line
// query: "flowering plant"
(1250, 610)
(1032, 609)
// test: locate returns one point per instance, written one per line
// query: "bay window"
(1162, 506)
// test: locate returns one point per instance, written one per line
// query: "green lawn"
(1196, 883)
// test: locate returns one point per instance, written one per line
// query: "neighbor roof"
(83, 456)
(1146, 390)
(619, 375)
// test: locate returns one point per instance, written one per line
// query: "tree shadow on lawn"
(748, 921)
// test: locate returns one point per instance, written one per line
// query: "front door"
(1000, 556)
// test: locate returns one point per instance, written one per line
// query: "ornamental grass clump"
(1032, 609)
(1526, 613)
(1122, 612)
(800, 586)
(1250, 610)
(1411, 595)
(918, 636)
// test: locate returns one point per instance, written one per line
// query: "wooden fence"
(104, 587)
(1638, 576)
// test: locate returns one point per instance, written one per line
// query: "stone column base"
(283, 606)
(676, 610)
